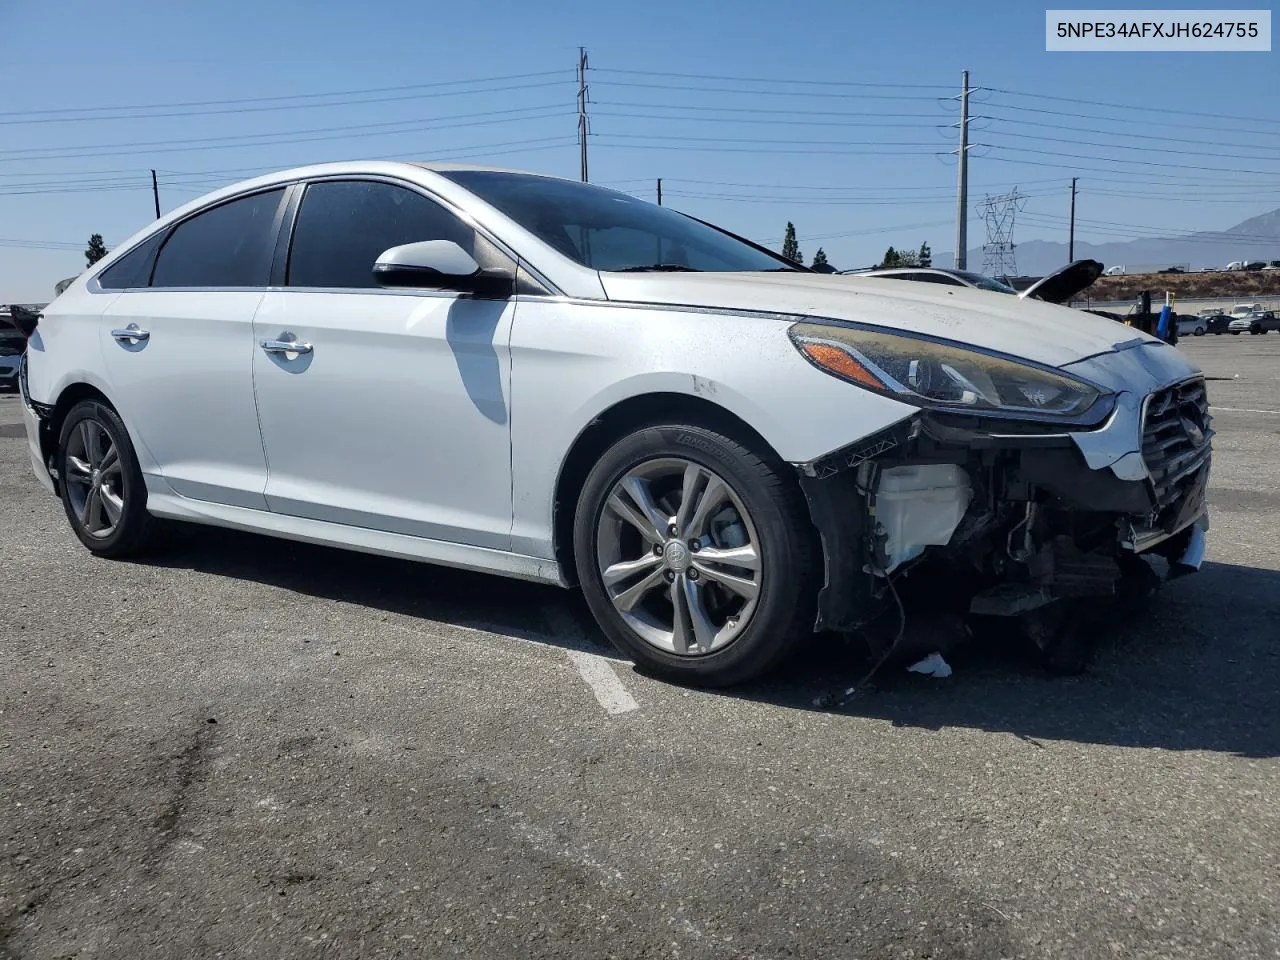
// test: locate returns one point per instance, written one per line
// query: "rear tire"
(714, 593)
(101, 484)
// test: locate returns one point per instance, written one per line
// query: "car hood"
(1062, 285)
(1030, 329)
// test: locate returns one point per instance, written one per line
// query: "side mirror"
(438, 265)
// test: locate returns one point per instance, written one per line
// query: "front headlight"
(939, 374)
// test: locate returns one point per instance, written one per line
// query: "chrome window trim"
(465, 216)
(93, 286)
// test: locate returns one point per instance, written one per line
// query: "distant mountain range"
(1257, 238)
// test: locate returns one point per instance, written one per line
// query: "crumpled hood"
(1041, 332)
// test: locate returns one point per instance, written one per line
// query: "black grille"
(1175, 440)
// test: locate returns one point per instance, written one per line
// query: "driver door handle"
(286, 346)
(131, 334)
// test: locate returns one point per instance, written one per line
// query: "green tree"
(96, 249)
(925, 257)
(891, 259)
(791, 249)
(820, 259)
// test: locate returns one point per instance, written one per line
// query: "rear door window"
(228, 246)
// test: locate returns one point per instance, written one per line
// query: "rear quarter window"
(230, 245)
(134, 268)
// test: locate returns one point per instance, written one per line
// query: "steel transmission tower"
(1000, 213)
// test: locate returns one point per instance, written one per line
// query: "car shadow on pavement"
(450, 596)
(1201, 672)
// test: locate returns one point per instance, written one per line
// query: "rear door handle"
(131, 334)
(286, 344)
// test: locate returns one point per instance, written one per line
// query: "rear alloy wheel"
(694, 554)
(101, 483)
(1198, 331)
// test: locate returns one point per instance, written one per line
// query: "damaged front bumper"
(1024, 515)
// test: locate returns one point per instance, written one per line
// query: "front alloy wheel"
(679, 556)
(696, 553)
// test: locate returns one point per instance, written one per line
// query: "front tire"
(1198, 331)
(696, 554)
(101, 483)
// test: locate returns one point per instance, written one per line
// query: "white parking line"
(1240, 409)
(604, 683)
(594, 669)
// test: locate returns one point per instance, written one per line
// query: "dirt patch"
(1243, 285)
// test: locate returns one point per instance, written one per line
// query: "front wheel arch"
(615, 423)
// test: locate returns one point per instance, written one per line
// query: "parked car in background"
(945, 276)
(1058, 287)
(1263, 321)
(1116, 271)
(1215, 322)
(13, 343)
(1190, 325)
(553, 381)
(1254, 264)
(1245, 309)
(1234, 265)
(1273, 265)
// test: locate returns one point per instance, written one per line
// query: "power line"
(821, 83)
(282, 140)
(776, 140)
(1129, 106)
(416, 123)
(1143, 163)
(1143, 148)
(790, 112)
(1075, 115)
(211, 182)
(766, 121)
(304, 96)
(849, 188)
(763, 150)
(824, 201)
(1128, 134)
(769, 93)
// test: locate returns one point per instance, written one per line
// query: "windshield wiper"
(660, 268)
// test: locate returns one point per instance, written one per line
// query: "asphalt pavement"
(251, 748)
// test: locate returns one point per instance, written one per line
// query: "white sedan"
(549, 380)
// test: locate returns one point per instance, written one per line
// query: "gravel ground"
(250, 748)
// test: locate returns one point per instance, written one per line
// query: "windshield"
(607, 230)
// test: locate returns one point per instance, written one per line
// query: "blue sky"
(837, 116)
